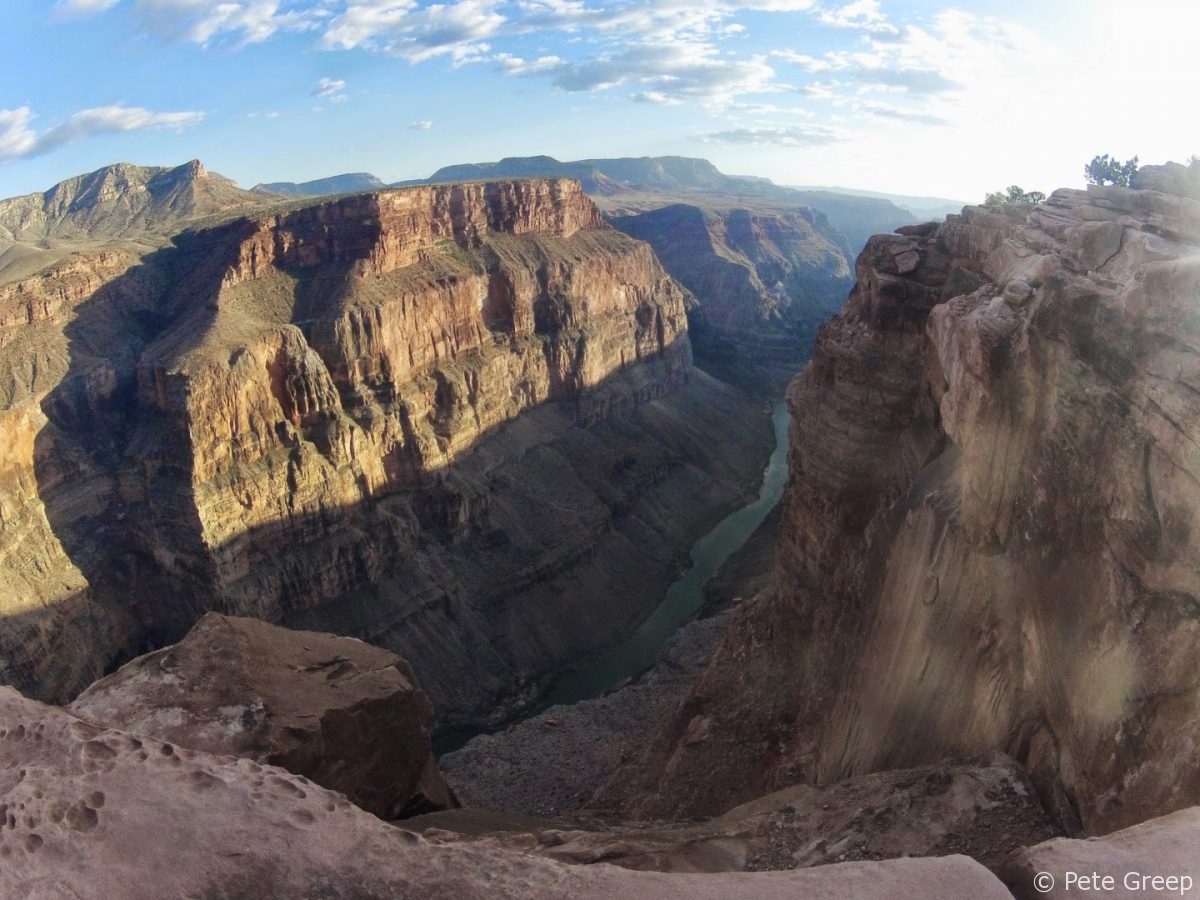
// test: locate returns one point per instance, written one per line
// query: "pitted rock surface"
(349, 716)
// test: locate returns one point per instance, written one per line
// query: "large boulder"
(1159, 858)
(88, 812)
(347, 715)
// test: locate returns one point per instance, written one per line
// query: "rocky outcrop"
(412, 416)
(984, 811)
(91, 812)
(121, 200)
(1154, 859)
(764, 280)
(342, 713)
(989, 540)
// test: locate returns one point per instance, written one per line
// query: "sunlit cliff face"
(383, 414)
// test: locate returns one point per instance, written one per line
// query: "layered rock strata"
(412, 416)
(342, 713)
(990, 536)
(764, 279)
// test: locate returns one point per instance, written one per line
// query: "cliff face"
(764, 279)
(989, 540)
(361, 416)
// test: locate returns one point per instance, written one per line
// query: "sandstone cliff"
(764, 279)
(427, 417)
(989, 540)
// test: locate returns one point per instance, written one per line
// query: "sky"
(919, 97)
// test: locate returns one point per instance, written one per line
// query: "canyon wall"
(990, 539)
(765, 279)
(427, 417)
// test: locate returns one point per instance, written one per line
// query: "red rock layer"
(277, 418)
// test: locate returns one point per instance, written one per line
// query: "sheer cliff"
(429, 417)
(989, 540)
(765, 280)
(767, 264)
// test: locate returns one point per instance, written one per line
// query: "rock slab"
(1158, 858)
(87, 812)
(347, 715)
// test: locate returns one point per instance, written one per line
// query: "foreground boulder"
(87, 812)
(347, 715)
(1159, 858)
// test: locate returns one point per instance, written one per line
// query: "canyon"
(462, 424)
(765, 263)
(427, 417)
(988, 541)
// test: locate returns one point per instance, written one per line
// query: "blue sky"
(918, 97)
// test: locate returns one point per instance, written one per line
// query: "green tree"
(1106, 170)
(1014, 194)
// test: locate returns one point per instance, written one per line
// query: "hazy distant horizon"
(914, 98)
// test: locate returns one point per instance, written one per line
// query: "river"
(683, 598)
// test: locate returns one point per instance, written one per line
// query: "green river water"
(683, 598)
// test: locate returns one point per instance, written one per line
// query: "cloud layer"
(845, 61)
(19, 140)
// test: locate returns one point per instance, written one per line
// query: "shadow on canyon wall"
(541, 546)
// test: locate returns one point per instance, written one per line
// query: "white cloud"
(664, 74)
(16, 137)
(662, 51)
(907, 116)
(416, 33)
(19, 140)
(331, 89)
(64, 10)
(864, 14)
(773, 135)
(421, 125)
(515, 65)
(207, 21)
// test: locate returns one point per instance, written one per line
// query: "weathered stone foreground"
(1137, 862)
(346, 715)
(89, 812)
(991, 536)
